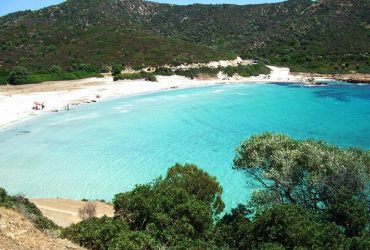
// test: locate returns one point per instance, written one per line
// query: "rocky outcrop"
(353, 78)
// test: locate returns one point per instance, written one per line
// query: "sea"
(95, 151)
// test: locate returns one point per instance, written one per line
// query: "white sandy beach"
(16, 102)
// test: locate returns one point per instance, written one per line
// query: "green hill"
(321, 36)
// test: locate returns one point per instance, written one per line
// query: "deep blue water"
(98, 150)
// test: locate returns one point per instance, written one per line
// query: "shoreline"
(64, 212)
(16, 101)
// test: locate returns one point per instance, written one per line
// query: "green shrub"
(151, 78)
(294, 228)
(163, 71)
(4, 80)
(180, 206)
(56, 69)
(135, 76)
(117, 69)
(247, 70)
(17, 75)
(3, 195)
(242, 70)
(61, 76)
(95, 233)
(134, 240)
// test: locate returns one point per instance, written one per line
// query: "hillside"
(17, 233)
(323, 36)
(317, 36)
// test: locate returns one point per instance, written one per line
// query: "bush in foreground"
(182, 210)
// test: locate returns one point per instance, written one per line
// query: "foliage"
(180, 210)
(313, 196)
(17, 75)
(133, 76)
(134, 240)
(175, 211)
(183, 207)
(28, 209)
(233, 229)
(198, 183)
(305, 172)
(95, 233)
(318, 36)
(163, 71)
(196, 72)
(349, 212)
(56, 69)
(294, 227)
(247, 70)
(20, 75)
(117, 69)
(242, 70)
(3, 80)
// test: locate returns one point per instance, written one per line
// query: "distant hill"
(321, 36)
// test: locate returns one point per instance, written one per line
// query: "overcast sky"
(9, 6)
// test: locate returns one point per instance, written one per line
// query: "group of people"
(38, 106)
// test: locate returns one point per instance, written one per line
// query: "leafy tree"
(305, 172)
(17, 75)
(294, 228)
(197, 182)
(359, 243)
(174, 208)
(233, 229)
(350, 212)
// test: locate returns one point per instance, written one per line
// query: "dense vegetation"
(133, 76)
(312, 196)
(27, 208)
(21, 75)
(321, 36)
(241, 70)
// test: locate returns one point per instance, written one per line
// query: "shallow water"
(98, 150)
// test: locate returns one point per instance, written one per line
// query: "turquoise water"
(98, 150)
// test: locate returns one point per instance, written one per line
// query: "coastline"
(16, 102)
(64, 212)
(16, 106)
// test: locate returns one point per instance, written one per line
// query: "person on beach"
(38, 106)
